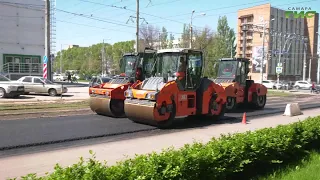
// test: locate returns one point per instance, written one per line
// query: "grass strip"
(41, 106)
(307, 169)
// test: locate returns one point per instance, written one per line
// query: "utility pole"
(304, 60)
(47, 39)
(137, 33)
(279, 61)
(61, 56)
(231, 49)
(262, 60)
(103, 57)
(309, 79)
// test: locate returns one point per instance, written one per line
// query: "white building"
(22, 37)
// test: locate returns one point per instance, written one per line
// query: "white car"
(59, 77)
(269, 84)
(302, 85)
(10, 88)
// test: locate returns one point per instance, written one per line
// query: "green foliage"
(238, 156)
(87, 60)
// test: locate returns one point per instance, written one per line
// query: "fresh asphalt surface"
(31, 132)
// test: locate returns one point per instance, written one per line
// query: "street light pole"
(191, 28)
(262, 60)
(279, 61)
(304, 59)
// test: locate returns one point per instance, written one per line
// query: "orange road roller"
(176, 89)
(233, 76)
(109, 98)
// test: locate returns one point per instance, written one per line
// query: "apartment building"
(283, 35)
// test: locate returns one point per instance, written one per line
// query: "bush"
(237, 156)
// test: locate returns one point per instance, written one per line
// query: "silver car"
(10, 88)
(36, 84)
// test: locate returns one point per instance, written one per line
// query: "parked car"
(302, 85)
(269, 84)
(10, 88)
(95, 81)
(34, 84)
(60, 77)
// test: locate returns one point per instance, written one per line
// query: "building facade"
(283, 46)
(22, 38)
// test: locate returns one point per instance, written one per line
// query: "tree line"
(215, 44)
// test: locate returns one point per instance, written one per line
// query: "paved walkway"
(115, 151)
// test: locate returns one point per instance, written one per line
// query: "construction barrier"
(292, 109)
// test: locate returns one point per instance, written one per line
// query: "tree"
(227, 34)
(164, 38)
(185, 37)
(170, 44)
(149, 35)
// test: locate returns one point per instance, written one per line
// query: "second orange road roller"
(108, 98)
(233, 76)
(176, 89)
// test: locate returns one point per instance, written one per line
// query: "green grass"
(279, 93)
(43, 106)
(306, 170)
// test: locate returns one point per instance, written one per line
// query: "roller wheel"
(259, 101)
(215, 107)
(117, 107)
(231, 103)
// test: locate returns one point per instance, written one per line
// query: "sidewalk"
(115, 151)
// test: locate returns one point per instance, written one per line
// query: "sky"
(108, 18)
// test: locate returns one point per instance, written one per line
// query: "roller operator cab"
(109, 98)
(233, 76)
(175, 89)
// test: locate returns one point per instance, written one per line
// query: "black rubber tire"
(234, 106)
(52, 92)
(169, 122)
(3, 91)
(255, 100)
(216, 117)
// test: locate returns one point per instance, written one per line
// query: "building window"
(21, 63)
(8, 60)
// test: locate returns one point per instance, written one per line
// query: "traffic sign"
(278, 70)
(45, 59)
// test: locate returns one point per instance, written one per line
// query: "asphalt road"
(32, 132)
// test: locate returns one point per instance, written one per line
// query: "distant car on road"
(269, 84)
(60, 77)
(302, 85)
(36, 84)
(10, 88)
(95, 81)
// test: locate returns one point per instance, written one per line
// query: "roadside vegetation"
(306, 169)
(43, 106)
(248, 155)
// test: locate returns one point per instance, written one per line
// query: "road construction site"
(64, 140)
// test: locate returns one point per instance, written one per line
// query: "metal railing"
(23, 68)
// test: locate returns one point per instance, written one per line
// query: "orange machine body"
(108, 98)
(156, 101)
(238, 88)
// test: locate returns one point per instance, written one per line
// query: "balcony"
(23, 68)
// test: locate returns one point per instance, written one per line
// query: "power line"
(91, 17)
